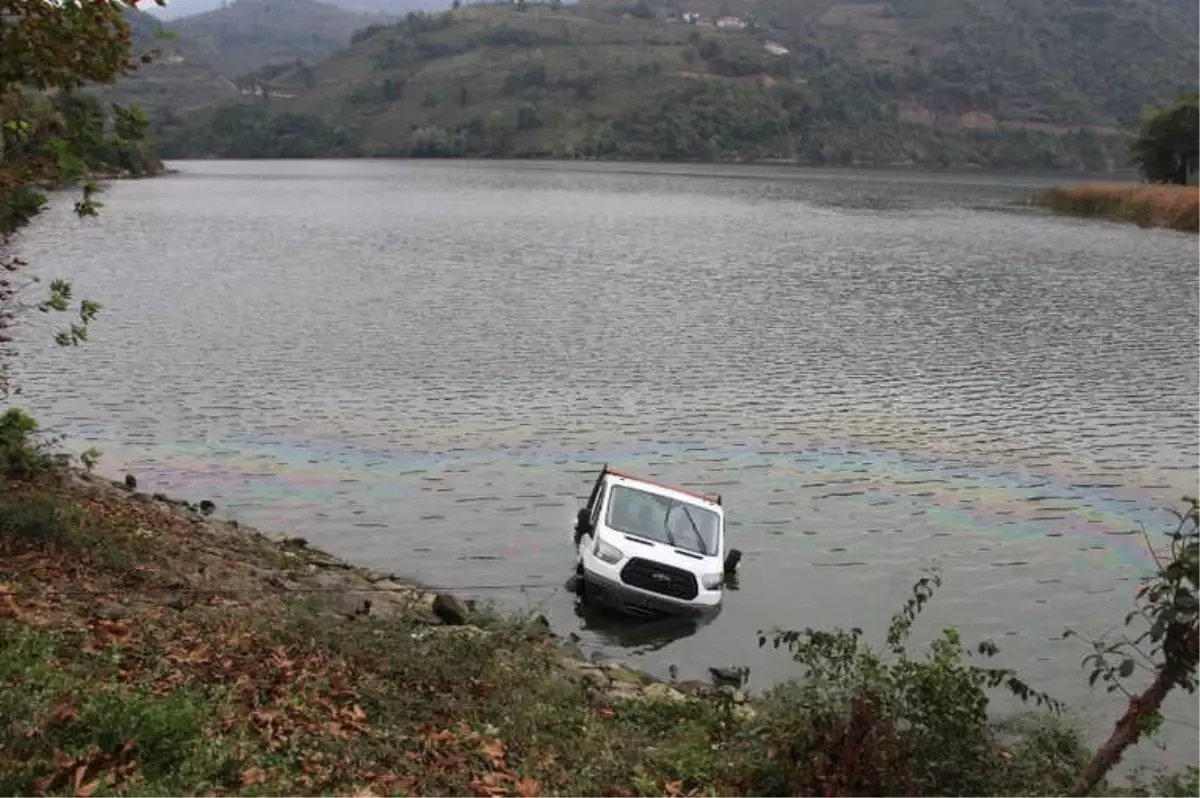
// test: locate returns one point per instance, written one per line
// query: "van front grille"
(659, 578)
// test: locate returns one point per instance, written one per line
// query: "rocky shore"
(149, 646)
(242, 560)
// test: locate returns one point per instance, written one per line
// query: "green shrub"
(862, 722)
(23, 451)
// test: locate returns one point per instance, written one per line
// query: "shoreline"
(182, 633)
(355, 591)
(1171, 207)
(963, 169)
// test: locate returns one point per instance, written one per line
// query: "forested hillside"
(1038, 84)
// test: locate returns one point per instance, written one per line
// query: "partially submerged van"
(648, 549)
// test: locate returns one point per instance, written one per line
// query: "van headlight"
(610, 554)
(712, 581)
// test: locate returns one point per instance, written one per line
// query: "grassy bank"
(1174, 207)
(148, 648)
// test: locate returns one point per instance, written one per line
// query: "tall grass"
(1174, 207)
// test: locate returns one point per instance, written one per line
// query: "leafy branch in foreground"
(1168, 605)
(51, 136)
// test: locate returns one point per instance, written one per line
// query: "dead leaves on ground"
(85, 774)
(455, 750)
(280, 693)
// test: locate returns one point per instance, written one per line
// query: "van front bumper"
(630, 600)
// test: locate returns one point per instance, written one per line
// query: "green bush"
(23, 451)
(862, 722)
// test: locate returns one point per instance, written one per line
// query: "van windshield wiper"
(695, 530)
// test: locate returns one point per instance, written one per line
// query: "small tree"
(1168, 605)
(1166, 148)
(50, 137)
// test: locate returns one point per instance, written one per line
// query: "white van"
(650, 549)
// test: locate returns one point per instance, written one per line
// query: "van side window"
(599, 503)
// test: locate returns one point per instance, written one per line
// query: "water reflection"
(637, 635)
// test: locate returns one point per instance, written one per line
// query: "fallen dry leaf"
(673, 789)
(528, 788)
(252, 776)
(63, 712)
(494, 751)
(86, 790)
(488, 792)
(8, 604)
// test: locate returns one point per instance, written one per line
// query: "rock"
(351, 605)
(622, 690)
(661, 692)
(539, 629)
(730, 676)
(179, 601)
(131, 481)
(278, 538)
(112, 611)
(207, 507)
(621, 674)
(573, 651)
(283, 584)
(452, 610)
(583, 672)
(144, 498)
(162, 497)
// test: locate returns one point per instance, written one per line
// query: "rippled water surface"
(420, 366)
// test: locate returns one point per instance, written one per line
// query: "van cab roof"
(713, 500)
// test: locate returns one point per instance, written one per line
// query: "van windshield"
(663, 520)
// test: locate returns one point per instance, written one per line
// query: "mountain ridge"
(176, 10)
(947, 82)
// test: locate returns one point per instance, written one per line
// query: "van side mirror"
(583, 521)
(731, 561)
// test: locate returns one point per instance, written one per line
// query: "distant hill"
(175, 9)
(185, 74)
(1040, 84)
(251, 33)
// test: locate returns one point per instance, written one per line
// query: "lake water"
(421, 366)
